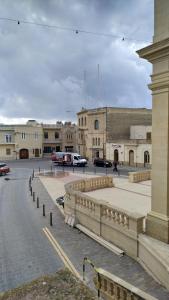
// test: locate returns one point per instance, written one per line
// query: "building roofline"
(114, 108)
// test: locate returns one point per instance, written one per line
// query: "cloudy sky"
(49, 73)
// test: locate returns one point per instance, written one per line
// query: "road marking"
(61, 253)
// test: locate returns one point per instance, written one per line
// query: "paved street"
(47, 164)
(77, 245)
(25, 253)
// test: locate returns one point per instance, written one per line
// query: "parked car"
(60, 200)
(4, 169)
(102, 163)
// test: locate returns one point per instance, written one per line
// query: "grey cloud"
(42, 69)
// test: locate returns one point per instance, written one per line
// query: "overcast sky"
(49, 74)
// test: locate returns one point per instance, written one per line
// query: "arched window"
(146, 157)
(96, 124)
(82, 121)
(131, 158)
(79, 121)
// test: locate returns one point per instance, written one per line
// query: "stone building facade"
(59, 137)
(135, 151)
(21, 141)
(100, 126)
(33, 140)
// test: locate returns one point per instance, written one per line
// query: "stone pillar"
(157, 224)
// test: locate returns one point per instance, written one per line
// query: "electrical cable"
(75, 30)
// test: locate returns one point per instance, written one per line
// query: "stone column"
(157, 224)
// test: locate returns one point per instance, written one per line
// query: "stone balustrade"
(139, 176)
(113, 287)
(116, 216)
(86, 185)
(107, 221)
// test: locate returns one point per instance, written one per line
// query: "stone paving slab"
(123, 198)
(77, 245)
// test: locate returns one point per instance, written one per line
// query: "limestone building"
(135, 151)
(59, 137)
(158, 54)
(21, 141)
(33, 140)
(97, 127)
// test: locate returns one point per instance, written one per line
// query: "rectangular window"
(8, 138)
(56, 135)
(148, 135)
(36, 136)
(23, 135)
(8, 151)
(45, 135)
(47, 149)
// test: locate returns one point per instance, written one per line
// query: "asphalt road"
(25, 252)
(47, 164)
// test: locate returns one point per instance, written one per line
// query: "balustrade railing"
(113, 287)
(117, 216)
(139, 176)
(110, 222)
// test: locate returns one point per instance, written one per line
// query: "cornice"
(154, 51)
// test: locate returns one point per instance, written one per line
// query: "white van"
(69, 159)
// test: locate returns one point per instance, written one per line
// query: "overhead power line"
(74, 30)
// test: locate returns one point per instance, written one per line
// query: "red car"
(4, 169)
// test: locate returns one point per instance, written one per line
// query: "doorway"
(116, 155)
(131, 158)
(36, 152)
(24, 154)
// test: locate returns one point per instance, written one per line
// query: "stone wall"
(118, 124)
(139, 176)
(111, 223)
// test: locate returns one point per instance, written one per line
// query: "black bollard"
(43, 210)
(51, 224)
(31, 190)
(33, 174)
(34, 196)
(37, 202)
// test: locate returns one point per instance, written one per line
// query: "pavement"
(133, 197)
(77, 245)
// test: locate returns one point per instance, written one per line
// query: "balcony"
(2, 142)
(52, 141)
